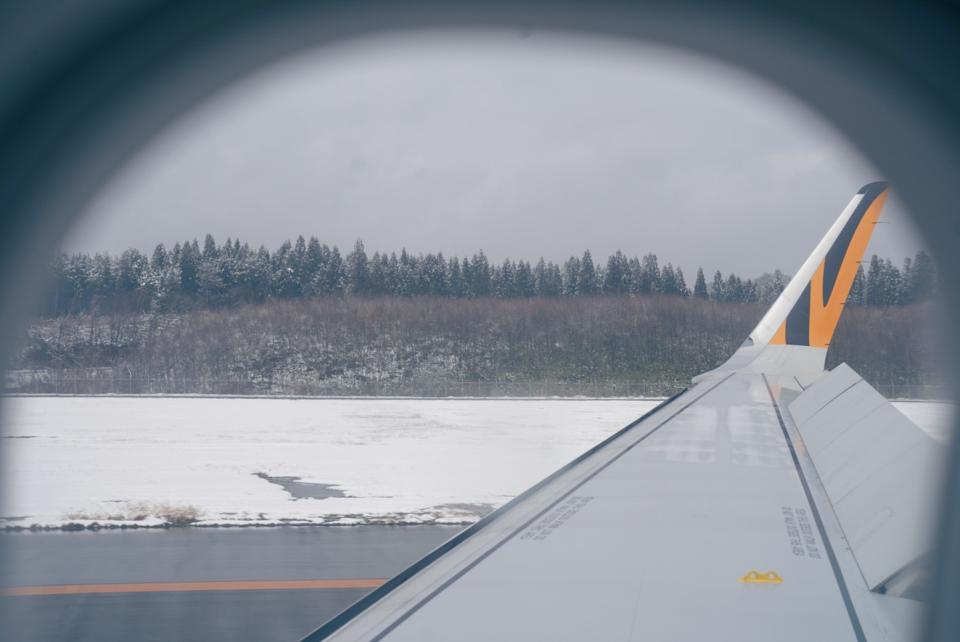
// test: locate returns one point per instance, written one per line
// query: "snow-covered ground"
(147, 461)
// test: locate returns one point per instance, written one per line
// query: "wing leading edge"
(756, 505)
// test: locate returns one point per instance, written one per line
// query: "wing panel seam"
(835, 565)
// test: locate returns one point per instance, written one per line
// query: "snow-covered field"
(148, 461)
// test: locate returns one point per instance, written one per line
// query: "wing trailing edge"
(880, 473)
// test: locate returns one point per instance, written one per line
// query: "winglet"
(807, 311)
(809, 308)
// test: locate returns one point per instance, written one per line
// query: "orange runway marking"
(176, 587)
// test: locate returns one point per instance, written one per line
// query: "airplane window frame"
(84, 87)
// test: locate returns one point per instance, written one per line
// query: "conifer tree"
(285, 283)
(571, 276)
(480, 275)
(717, 287)
(668, 280)
(616, 278)
(187, 277)
(433, 275)
(209, 248)
(312, 264)
(159, 260)
(336, 272)
(893, 284)
(259, 276)
(392, 279)
(923, 277)
(874, 294)
(733, 289)
(681, 283)
(649, 281)
(377, 276)
(858, 290)
(189, 268)
(540, 277)
(700, 285)
(525, 286)
(357, 270)
(779, 283)
(455, 277)
(587, 278)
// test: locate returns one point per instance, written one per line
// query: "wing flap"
(815, 397)
(877, 468)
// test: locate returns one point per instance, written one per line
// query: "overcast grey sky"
(520, 144)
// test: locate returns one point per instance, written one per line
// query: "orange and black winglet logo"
(816, 313)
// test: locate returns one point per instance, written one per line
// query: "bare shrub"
(178, 515)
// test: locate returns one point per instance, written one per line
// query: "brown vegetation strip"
(592, 346)
(175, 587)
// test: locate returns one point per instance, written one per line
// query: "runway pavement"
(196, 584)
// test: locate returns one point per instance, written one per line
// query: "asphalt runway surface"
(197, 584)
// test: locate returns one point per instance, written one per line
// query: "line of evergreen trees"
(190, 276)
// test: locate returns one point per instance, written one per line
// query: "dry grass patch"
(141, 511)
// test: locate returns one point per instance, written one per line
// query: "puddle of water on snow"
(304, 490)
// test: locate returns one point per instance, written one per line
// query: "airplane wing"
(769, 501)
